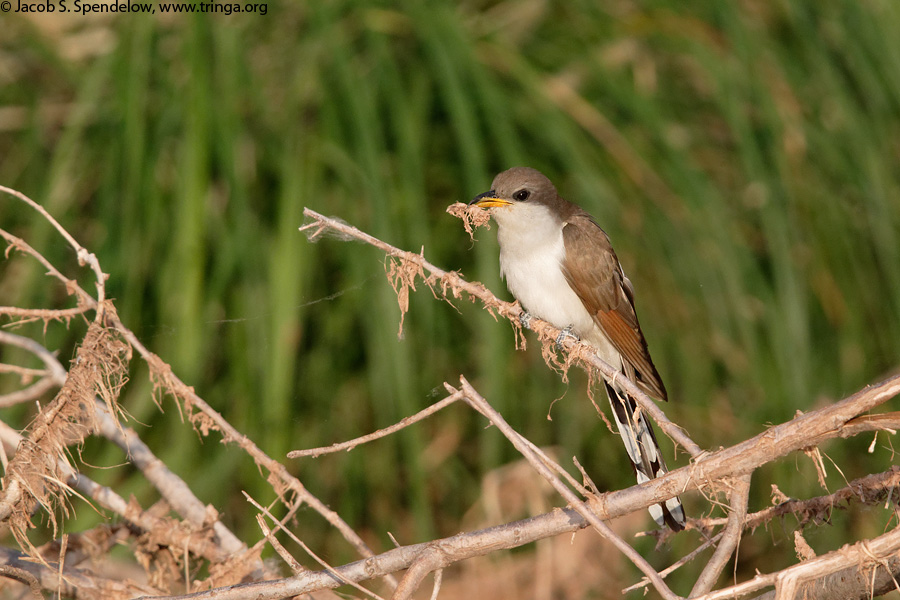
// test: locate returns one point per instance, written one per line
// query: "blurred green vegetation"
(743, 156)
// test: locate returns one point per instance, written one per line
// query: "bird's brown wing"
(593, 271)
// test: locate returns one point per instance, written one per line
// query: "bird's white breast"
(531, 257)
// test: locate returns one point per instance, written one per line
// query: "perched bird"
(561, 267)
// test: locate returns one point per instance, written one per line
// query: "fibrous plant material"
(33, 476)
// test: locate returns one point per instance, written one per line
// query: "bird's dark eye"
(521, 195)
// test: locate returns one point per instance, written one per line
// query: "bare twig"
(789, 581)
(481, 405)
(811, 428)
(214, 420)
(129, 511)
(644, 582)
(32, 392)
(164, 376)
(855, 582)
(429, 560)
(84, 257)
(739, 496)
(350, 444)
(871, 489)
(54, 375)
(328, 568)
(75, 583)
(128, 439)
(176, 492)
(21, 316)
(438, 577)
(286, 556)
(820, 425)
(23, 576)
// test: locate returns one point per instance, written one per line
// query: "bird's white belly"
(534, 276)
(531, 256)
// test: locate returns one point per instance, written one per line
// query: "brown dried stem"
(731, 536)
(33, 475)
(53, 376)
(478, 402)
(821, 425)
(406, 422)
(208, 418)
(80, 584)
(789, 582)
(871, 489)
(84, 257)
(316, 557)
(173, 489)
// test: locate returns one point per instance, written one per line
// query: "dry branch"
(481, 405)
(73, 414)
(80, 584)
(732, 462)
(375, 435)
(162, 530)
(19, 491)
(789, 583)
(731, 536)
(33, 475)
(872, 489)
(173, 489)
(53, 376)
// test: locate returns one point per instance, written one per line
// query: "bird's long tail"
(643, 450)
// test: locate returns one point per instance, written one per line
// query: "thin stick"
(864, 490)
(23, 576)
(280, 525)
(81, 584)
(112, 501)
(331, 570)
(730, 539)
(481, 405)
(170, 381)
(174, 489)
(429, 560)
(438, 576)
(406, 422)
(678, 564)
(866, 552)
(55, 369)
(84, 257)
(287, 557)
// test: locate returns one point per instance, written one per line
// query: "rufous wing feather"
(592, 269)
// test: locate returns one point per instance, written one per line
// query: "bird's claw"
(525, 319)
(567, 332)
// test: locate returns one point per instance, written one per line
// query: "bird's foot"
(567, 332)
(525, 319)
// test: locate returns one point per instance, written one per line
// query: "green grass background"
(743, 156)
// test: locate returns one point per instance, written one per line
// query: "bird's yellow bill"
(490, 202)
(489, 199)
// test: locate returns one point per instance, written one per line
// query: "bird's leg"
(525, 319)
(567, 332)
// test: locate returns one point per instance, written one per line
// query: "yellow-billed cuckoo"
(561, 267)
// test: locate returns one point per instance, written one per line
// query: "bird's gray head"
(517, 185)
